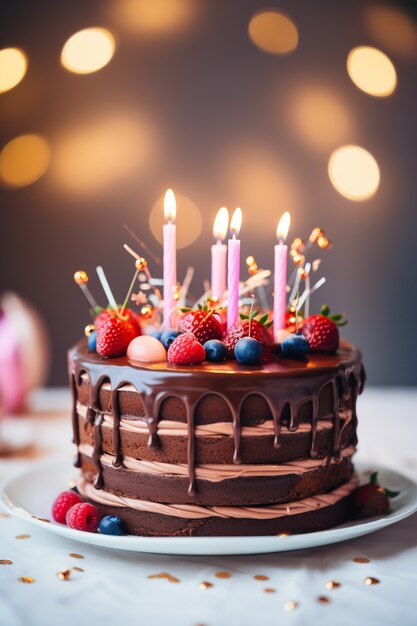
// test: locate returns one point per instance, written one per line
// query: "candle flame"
(220, 224)
(170, 206)
(283, 226)
(236, 222)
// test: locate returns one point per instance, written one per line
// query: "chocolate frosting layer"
(284, 386)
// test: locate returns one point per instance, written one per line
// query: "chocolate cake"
(217, 448)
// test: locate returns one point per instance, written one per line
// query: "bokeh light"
(392, 29)
(23, 160)
(88, 50)
(101, 152)
(372, 71)
(153, 16)
(318, 116)
(354, 172)
(273, 32)
(188, 220)
(13, 66)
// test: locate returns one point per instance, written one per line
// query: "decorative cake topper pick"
(81, 279)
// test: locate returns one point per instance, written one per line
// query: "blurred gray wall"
(199, 108)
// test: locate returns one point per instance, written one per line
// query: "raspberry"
(83, 516)
(62, 505)
(186, 350)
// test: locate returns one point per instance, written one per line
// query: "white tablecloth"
(115, 589)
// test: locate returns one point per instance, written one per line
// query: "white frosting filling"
(217, 472)
(192, 511)
(172, 428)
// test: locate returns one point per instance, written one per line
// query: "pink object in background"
(219, 254)
(170, 259)
(280, 274)
(233, 269)
(24, 353)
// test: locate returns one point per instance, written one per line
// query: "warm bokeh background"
(228, 109)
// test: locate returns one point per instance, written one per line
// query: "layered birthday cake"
(215, 418)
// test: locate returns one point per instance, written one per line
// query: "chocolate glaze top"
(284, 384)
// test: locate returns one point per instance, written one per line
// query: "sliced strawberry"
(186, 350)
(204, 325)
(114, 336)
(246, 328)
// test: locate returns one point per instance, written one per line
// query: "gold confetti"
(22, 536)
(64, 575)
(26, 579)
(6, 562)
(5, 515)
(360, 559)
(205, 585)
(371, 581)
(165, 576)
(78, 569)
(223, 574)
(269, 590)
(333, 584)
(261, 577)
(290, 606)
(41, 519)
(74, 555)
(284, 534)
(323, 600)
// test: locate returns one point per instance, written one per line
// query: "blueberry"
(248, 351)
(168, 337)
(111, 525)
(157, 334)
(92, 341)
(295, 346)
(215, 350)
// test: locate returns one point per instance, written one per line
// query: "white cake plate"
(30, 494)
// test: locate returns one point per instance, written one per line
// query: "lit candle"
(233, 269)
(219, 254)
(280, 274)
(170, 257)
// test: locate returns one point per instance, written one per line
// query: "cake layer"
(214, 443)
(155, 519)
(218, 484)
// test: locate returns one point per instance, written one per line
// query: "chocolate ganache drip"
(285, 386)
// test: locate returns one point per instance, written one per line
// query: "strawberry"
(246, 328)
(321, 333)
(128, 315)
(186, 350)
(114, 336)
(371, 499)
(203, 324)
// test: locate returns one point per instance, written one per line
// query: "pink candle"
(233, 269)
(280, 274)
(219, 254)
(170, 258)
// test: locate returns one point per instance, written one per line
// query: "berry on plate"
(248, 351)
(295, 346)
(216, 351)
(203, 324)
(63, 503)
(111, 525)
(371, 499)
(257, 329)
(83, 516)
(114, 336)
(186, 350)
